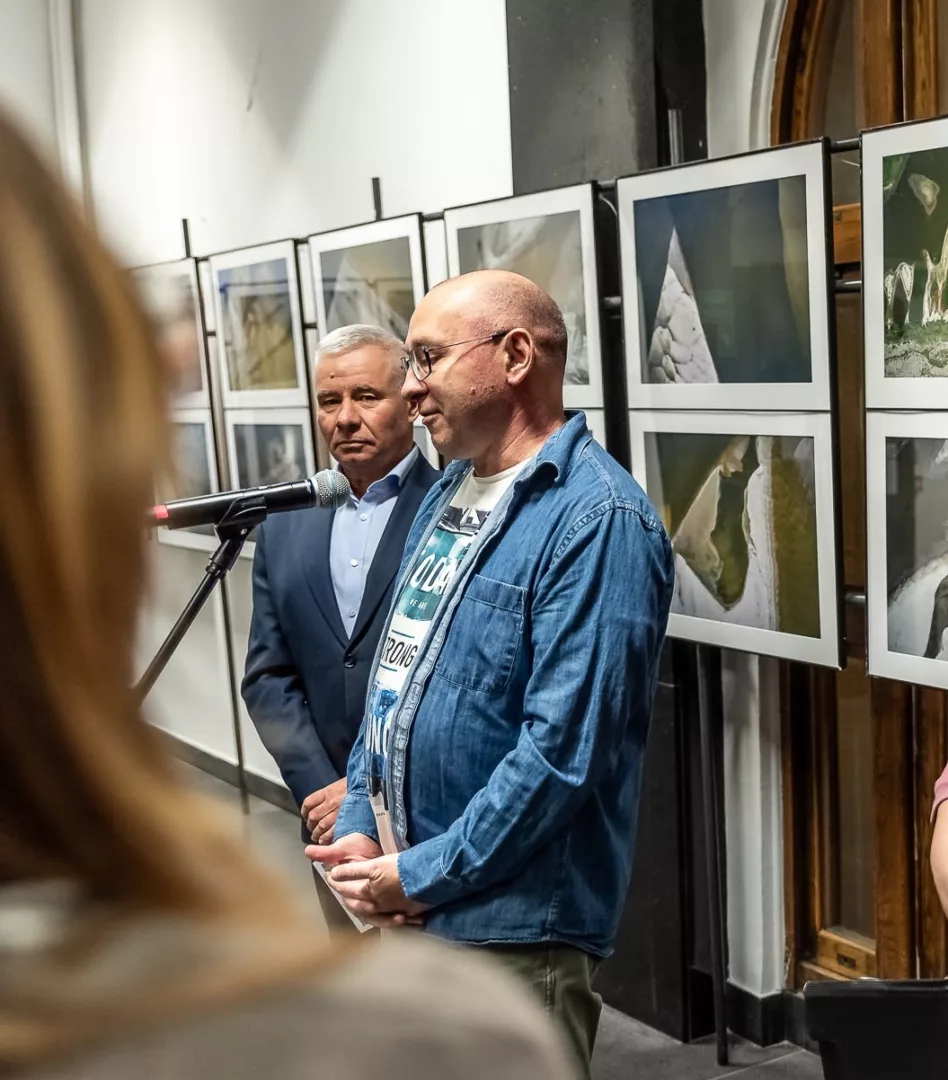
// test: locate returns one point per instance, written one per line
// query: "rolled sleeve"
(355, 813)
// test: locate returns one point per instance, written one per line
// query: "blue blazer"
(305, 680)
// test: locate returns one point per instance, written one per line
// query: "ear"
(519, 356)
(412, 405)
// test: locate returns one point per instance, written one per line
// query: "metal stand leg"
(710, 711)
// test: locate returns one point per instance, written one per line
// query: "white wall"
(26, 76)
(741, 39)
(260, 121)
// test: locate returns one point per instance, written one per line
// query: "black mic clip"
(245, 513)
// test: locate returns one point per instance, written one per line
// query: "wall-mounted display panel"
(748, 502)
(905, 265)
(260, 327)
(169, 292)
(907, 546)
(194, 473)
(549, 238)
(372, 273)
(268, 446)
(725, 283)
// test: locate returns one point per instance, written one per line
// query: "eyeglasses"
(421, 357)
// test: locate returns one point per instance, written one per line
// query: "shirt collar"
(393, 479)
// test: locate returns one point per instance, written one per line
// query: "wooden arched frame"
(896, 72)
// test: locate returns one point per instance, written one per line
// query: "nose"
(348, 416)
(413, 390)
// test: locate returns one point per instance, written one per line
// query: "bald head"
(491, 300)
(489, 356)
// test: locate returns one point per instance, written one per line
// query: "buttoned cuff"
(422, 877)
(355, 816)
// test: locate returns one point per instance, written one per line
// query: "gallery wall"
(260, 121)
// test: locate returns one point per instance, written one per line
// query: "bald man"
(492, 792)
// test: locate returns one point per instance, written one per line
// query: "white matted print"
(905, 265)
(169, 292)
(907, 546)
(260, 327)
(372, 273)
(268, 446)
(748, 502)
(724, 283)
(194, 474)
(549, 238)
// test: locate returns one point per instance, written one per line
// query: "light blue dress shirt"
(357, 528)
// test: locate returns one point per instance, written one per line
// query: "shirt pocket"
(482, 642)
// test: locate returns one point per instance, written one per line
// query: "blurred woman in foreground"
(136, 938)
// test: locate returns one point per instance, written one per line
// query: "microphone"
(326, 488)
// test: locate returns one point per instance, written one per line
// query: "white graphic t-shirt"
(412, 616)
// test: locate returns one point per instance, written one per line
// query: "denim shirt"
(516, 748)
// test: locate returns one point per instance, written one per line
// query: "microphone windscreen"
(332, 488)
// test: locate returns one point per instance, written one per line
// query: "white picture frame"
(188, 538)
(286, 291)
(893, 391)
(596, 422)
(304, 457)
(883, 660)
(806, 160)
(576, 200)
(329, 245)
(151, 282)
(823, 649)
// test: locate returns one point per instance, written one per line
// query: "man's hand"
(373, 890)
(321, 809)
(356, 847)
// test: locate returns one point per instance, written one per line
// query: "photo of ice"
(547, 250)
(915, 263)
(257, 326)
(917, 546)
(269, 454)
(741, 513)
(724, 288)
(369, 283)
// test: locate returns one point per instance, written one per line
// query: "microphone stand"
(243, 515)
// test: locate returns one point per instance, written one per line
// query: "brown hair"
(86, 795)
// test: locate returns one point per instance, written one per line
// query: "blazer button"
(349, 661)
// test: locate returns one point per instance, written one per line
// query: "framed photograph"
(905, 265)
(169, 292)
(260, 326)
(725, 283)
(596, 422)
(748, 502)
(907, 546)
(194, 474)
(372, 273)
(268, 446)
(548, 238)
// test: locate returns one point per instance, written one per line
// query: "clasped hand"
(367, 881)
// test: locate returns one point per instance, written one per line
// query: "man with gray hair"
(322, 580)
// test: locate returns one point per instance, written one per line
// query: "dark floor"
(626, 1049)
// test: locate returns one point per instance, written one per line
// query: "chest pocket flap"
(482, 643)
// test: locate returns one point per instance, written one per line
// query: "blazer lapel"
(388, 555)
(314, 551)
